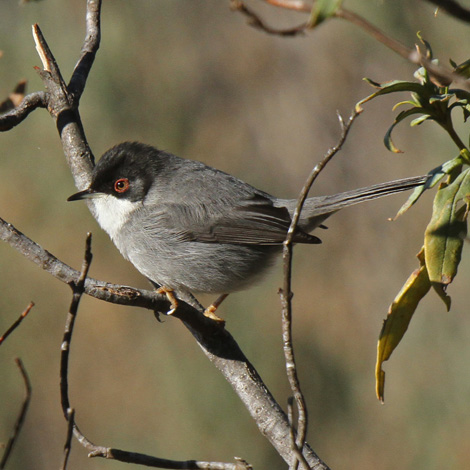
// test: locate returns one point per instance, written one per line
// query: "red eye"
(121, 185)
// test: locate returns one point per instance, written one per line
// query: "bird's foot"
(209, 312)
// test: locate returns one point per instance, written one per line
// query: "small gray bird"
(191, 228)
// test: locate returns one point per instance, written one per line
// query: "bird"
(190, 228)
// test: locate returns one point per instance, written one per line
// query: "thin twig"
(345, 128)
(68, 440)
(376, 33)
(14, 98)
(78, 290)
(298, 454)
(255, 20)
(17, 115)
(21, 415)
(16, 323)
(286, 291)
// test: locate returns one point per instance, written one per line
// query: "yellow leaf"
(398, 319)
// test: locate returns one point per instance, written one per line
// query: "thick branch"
(64, 110)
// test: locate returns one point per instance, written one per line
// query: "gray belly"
(195, 266)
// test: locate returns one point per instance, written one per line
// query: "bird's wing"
(254, 221)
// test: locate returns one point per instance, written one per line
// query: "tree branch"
(286, 292)
(255, 21)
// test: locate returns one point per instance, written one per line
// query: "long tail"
(317, 209)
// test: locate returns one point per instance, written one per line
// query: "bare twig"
(255, 20)
(16, 323)
(78, 289)
(286, 291)
(345, 128)
(101, 451)
(21, 416)
(17, 115)
(299, 457)
(68, 440)
(101, 290)
(14, 98)
(376, 33)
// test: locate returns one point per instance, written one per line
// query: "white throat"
(112, 213)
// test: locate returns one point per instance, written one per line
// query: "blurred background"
(192, 77)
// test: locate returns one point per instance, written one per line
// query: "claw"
(171, 297)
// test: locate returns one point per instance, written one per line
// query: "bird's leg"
(210, 311)
(171, 297)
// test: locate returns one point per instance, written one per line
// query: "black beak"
(85, 194)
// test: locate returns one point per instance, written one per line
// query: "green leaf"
(388, 135)
(435, 176)
(419, 120)
(390, 87)
(398, 319)
(445, 234)
(322, 10)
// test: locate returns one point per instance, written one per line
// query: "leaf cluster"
(432, 99)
